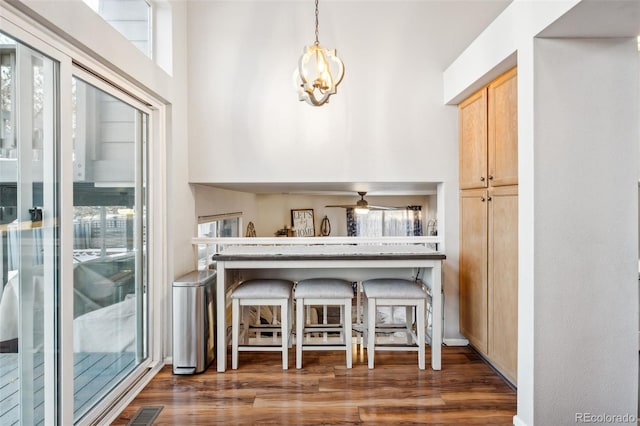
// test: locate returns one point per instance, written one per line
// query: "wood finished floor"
(465, 391)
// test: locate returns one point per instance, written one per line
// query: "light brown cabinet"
(502, 129)
(489, 223)
(472, 129)
(502, 288)
(473, 267)
(488, 129)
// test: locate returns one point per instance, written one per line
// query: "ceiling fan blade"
(362, 204)
(385, 208)
(354, 206)
(344, 206)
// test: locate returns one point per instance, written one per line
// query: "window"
(131, 18)
(228, 227)
(385, 223)
(216, 226)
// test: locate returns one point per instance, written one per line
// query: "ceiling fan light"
(361, 210)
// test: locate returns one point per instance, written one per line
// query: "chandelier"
(319, 72)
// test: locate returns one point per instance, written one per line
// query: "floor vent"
(145, 416)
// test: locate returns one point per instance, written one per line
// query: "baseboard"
(455, 342)
(517, 421)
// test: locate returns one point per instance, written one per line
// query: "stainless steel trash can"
(194, 322)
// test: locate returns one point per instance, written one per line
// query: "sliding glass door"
(75, 315)
(28, 233)
(110, 273)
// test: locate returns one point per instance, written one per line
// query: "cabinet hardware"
(482, 199)
(490, 177)
(488, 198)
(481, 178)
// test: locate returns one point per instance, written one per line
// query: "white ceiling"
(601, 19)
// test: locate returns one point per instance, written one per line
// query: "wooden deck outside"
(465, 391)
(95, 374)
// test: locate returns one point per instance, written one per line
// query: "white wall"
(575, 339)
(215, 201)
(586, 290)
(180, 200)
(386, 123)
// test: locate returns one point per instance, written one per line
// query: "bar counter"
(359, 262)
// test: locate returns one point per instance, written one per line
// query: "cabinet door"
(503, 279)
(472, 119)
(473, 267)
(503, 130)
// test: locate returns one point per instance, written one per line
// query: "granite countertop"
(320, 252)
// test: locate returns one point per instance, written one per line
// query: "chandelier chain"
(317, 33)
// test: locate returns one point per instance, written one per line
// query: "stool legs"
(258, 293)
(235, 332)
(420, 331)
(371, 330)
(346, 331)
(285, 316)
(299, 331)
(369, 334)
(285, 328)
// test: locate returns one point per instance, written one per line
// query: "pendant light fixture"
(319, 72)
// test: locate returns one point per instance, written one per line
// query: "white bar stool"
(325, 292)
(395, 292)
(262, 292)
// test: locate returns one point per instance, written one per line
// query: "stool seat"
(324, 287)
(325, 292)
(263, 289)
(262, 292)
(393, 287)
(395, 292)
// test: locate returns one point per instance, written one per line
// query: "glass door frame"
(59, 370)
(56, 345)
(26, 177)
(156, 233)
(142, 265)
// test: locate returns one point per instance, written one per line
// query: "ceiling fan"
(362, 206)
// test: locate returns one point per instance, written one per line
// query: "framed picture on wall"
(302, 222)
